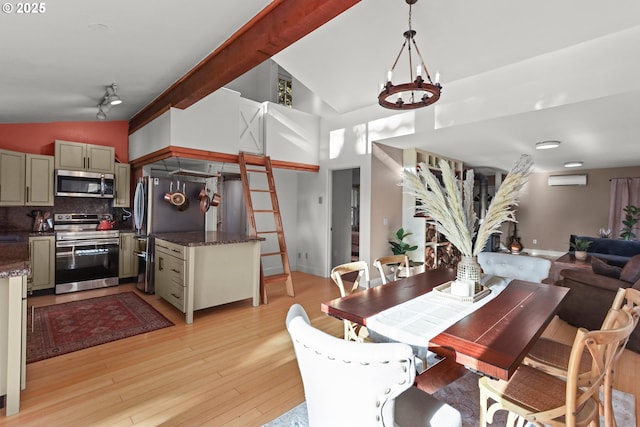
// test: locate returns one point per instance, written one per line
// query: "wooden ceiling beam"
(280, 24)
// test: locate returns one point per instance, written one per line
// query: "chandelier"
(420, 92)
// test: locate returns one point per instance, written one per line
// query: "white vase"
(581, 255)
(469, 270)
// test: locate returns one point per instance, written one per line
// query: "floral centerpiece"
(452, 208)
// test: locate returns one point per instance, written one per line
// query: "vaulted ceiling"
(514, 73)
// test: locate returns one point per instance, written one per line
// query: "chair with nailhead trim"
(349, 383)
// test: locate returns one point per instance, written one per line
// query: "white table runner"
(418, 320)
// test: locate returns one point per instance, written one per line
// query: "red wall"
(37, 138)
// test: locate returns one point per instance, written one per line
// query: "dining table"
(490, 336)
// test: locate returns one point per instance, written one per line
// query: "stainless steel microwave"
(84, 184)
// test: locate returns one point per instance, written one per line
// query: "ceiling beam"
(277, 26)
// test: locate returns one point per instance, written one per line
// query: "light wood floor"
(234, 366)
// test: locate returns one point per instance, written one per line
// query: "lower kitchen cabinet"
(128, 261)
(42, 256)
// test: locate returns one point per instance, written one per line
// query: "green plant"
(580, 245)
(630, 221)
(399, 246)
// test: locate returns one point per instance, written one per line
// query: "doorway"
(345, 216)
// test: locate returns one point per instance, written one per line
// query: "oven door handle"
(83, 243)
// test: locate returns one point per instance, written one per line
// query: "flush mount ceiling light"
(575, 164)
(109, 99)
(418, 93)
(546, 145)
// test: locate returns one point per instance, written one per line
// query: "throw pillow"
(600, 267)
(631, 270)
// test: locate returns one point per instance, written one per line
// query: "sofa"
(614, 251)
(592, 292)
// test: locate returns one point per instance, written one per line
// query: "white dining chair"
(348, 383)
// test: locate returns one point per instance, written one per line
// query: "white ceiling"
(514, 73)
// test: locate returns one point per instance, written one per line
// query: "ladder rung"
(271, 253)
(255, 190)
(276, 278)
(267, 232)
(257, 170)
(264, 211)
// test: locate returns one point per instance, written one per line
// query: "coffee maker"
(40, 221)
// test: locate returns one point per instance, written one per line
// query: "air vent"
(555, 180)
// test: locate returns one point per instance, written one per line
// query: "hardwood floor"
(234, 366)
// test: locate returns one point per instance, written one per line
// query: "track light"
(109, 99)
(101, 115)
(112, 95)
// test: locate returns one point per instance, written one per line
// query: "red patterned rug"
(64, 328)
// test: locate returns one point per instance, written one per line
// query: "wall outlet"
(535, 241)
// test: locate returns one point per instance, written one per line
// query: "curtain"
(622, 192)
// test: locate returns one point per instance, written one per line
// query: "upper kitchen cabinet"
(123, 186)
(12, 166)
(39, 180)
(25, 179)
(81, 156)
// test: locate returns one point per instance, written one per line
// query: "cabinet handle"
(160, 262)
(175, 296)
(88, 162)
(175, 271)
(27, 199)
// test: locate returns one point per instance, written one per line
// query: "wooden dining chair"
(391, 265)
(358, 275)
(361, 384)
(553, 357)
(546, 400)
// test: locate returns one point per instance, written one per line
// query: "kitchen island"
(197, 270)
(14, 269)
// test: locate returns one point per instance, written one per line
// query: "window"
(285, 96)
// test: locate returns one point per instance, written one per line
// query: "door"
(345, 215)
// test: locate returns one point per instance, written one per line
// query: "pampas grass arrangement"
(452, 207)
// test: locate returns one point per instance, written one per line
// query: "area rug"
(463, 395)
(64, 328)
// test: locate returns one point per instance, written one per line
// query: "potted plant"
(400, 247)
(630, 221)
(580, 247)
(450, 204)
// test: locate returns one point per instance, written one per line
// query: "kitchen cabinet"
(170, 273)
(25, 179)
(12, 178)
(13, 293)
(39, 180)
(206, 271)
(128, 261)
(80, 156)
(43, 262)
(123, 185)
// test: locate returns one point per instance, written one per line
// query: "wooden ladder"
(262, 165)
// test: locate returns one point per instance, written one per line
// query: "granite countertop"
(14, 254)
(206, 238)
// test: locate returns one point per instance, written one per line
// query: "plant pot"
(581, 255)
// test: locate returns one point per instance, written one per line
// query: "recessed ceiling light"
(545, 145)
(573, 164)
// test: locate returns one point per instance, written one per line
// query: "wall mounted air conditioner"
(567, 180)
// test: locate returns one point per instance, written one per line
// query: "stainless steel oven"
(86, 258)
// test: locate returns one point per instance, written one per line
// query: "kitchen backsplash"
(17, 218)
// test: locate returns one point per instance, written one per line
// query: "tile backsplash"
(17, 218)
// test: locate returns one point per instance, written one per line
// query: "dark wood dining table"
(493, 340)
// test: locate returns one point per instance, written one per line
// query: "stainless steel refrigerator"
(154, 214)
